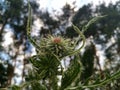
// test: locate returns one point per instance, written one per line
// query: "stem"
(83, 38)
(106, 81)
(29, 28)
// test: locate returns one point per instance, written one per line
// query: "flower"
(57, 40)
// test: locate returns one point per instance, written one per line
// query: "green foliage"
(70, 75)
(6, 71)
(15, 87)
(47, 62)
(99, 83)
(12, 16)
(3, 75)
(52, 50)
(92, 22)
(37, 86)
(88, 61)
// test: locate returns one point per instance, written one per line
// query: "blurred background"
(101, 54)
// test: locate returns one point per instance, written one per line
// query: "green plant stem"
(29, 28)
(83, 38)
(92, 21)
(106, 81)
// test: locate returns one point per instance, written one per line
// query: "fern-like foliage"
(47, 64)
(71, 74)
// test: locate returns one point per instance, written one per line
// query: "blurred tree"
(13, 18)
(56, 24)
(13, 14)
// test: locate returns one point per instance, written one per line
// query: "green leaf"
(15, 87)
(92, 21)
(100, 83)
(83, 40)
(29, 21)
(71, 73)
(38, 86)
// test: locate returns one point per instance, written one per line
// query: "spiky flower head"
(56, 45)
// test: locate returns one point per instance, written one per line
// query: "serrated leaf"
(71, 73)
(15, 87)
(92, 21)
(38, 86)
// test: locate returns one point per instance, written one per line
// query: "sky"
(57, 4)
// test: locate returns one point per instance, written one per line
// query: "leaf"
(29, 27)
(80, 35)
(92, 21)
(99, 83)
(71, 73)
(15, 87)
(38, 86)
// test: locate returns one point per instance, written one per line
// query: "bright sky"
(57, 4)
